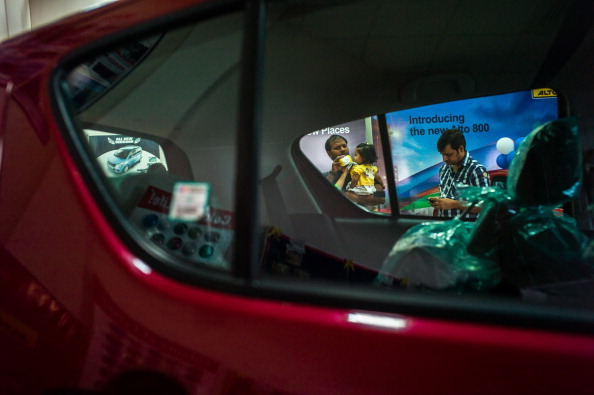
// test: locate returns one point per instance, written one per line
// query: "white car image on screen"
(124, 158)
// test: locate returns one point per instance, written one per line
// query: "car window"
(167, 168)
(340, 72)
(479, 234)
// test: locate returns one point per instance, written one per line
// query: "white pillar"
(3, 21)
(15, 17)
(46, 11)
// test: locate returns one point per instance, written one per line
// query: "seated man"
(459, 168)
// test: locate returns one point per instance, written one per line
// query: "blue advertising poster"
(493, 127)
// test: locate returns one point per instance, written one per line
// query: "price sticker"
(189, 201)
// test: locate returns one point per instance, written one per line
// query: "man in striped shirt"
(459, 167)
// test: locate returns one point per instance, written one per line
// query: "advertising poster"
(493, 127)
(313, 144)
(120, 155)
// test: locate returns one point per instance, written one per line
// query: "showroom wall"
(17, 16)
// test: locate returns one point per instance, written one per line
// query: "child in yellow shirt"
(363, 172)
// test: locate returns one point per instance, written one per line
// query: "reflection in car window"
(91, 79)
(169, 171)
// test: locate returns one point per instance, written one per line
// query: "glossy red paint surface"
(76, 306)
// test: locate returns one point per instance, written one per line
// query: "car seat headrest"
(546, 169)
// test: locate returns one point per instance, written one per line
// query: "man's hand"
(445, 204)
(451, 204)
(336, 165)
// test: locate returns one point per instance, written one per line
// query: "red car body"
(78, 306)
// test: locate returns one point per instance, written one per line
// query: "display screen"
(120, 155)
(493, 127)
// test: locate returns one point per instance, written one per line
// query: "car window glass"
(166, 159)
(516, 240)
(175, 112)
(93, 78)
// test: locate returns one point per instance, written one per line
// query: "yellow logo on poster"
(543, 93)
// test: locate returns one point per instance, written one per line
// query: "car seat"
(524, 233)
